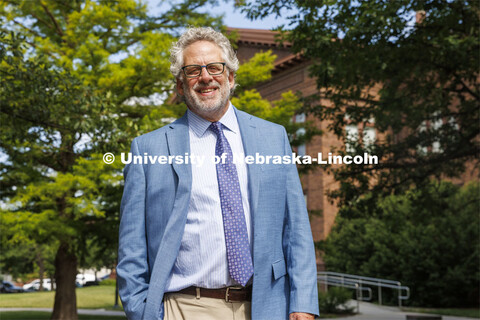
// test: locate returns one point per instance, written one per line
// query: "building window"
(437, 123)
(433, 126)
(369, 136)
(300, 118)
(301, 149)
(351, 131)
(422, 129)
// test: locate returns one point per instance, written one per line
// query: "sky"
(233, 18)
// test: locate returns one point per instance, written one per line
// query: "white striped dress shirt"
(202, 259)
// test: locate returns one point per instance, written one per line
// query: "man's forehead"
(203, 44)
(202, 48)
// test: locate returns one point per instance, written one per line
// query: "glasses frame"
(206, 68)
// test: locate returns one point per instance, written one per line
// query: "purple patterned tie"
(236, 238)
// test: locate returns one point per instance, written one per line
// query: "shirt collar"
(199, 125)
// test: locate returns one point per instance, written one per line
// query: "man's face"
(206, 95)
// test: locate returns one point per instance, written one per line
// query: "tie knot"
(216, 127)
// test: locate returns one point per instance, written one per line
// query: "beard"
(207, 105)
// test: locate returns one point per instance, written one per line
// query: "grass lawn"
(471, 313)
(333, 315)
(95, 297)
(38, 315)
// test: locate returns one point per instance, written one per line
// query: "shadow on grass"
(39, 315)
(334, 315)
(460, 312)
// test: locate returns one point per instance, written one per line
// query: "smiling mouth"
(207, 90)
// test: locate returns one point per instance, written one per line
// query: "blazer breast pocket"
(279, 269)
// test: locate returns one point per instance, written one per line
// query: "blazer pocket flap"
(279, 269)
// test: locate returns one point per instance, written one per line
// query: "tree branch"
(41, 20)
(52, 18)
(34, 121)
(27, 28)
(467, 88)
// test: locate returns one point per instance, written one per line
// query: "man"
(210, 240)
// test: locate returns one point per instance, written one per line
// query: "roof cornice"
(258, 37)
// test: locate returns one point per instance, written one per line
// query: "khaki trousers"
(179, 306)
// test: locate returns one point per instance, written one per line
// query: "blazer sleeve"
(132, 270)
(301, 264)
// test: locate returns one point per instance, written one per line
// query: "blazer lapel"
(178, 141)
(250, 137)
(179, 144)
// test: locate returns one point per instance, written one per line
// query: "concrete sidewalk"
(370, 311)
(98, 312)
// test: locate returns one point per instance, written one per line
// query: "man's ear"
(180, 87)
(231, 79)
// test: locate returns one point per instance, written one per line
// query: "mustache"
(199, 86)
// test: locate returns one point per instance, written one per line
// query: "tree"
(427, 238)
(54, 204)
(418, 81)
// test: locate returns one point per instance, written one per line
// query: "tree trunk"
(65, 307)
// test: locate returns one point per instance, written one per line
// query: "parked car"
(35, 285)
(84, 280)
(105, 277)
(8, 287)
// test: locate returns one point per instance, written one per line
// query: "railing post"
(399, 294)
(361, 292)
(358, 299)
(379, 293)
(326, 282)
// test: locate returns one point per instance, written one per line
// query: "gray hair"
(198, 34)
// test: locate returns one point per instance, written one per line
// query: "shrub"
(426, 238)
(335, 300)
(107, 282)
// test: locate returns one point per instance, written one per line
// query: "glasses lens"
(193, 71)
(215, 68)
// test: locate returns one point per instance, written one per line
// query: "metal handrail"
(359, 290)
(348, 285)
(349, 280)
(346, 275)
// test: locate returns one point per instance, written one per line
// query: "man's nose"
(204, 75)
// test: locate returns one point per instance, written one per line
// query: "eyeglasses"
(195, 70)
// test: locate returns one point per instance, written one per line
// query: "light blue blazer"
(154, 211)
